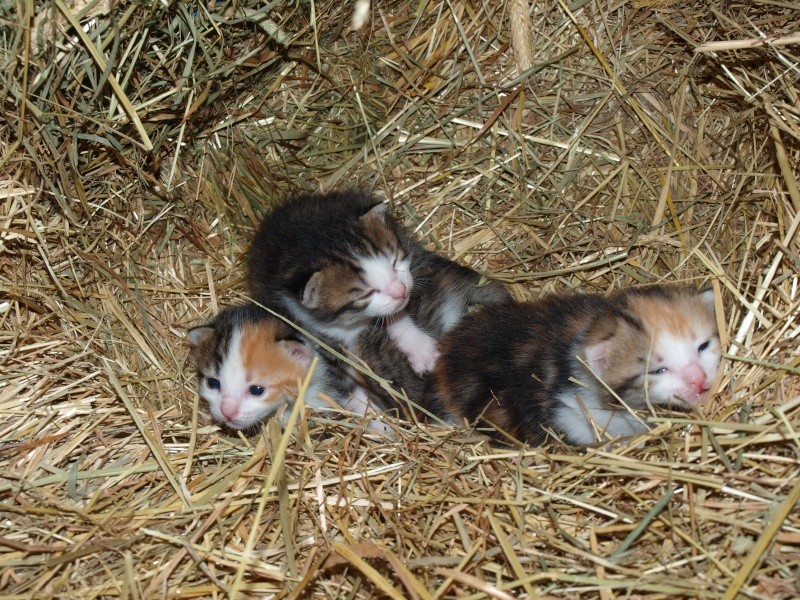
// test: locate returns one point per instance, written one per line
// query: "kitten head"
(248, 364)
(660, 346)
(369, 274)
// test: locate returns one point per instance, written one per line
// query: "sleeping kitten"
(445, 292)
(560, 364)
(341, 265)
(249, 362)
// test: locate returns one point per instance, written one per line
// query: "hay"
(629, 144)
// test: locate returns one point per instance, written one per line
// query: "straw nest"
(584, 145)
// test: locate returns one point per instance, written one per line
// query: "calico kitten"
(560, 364)
(249, 362)
(341, 265)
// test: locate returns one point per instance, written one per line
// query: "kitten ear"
(379, 211)
(599, 340)
(311, 291)
(297, 352)
(707, 296)
(597, 356)
(196, 335)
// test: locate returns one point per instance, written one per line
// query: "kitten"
(560, 363)
(445, 292)
(249, 362)
(341, 265)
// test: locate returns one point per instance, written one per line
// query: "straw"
(554, 146)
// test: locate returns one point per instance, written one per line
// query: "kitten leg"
(359, 403)
(420, 348)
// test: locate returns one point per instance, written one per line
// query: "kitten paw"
(420, 349)
(423, 358)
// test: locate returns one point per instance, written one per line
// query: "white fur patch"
(420, 348)
(379, 273)
(584, 419)
(360, 404)
(360, 14)
(677, 354)
(451, 312)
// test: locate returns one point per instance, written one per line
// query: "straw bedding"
(584, 145)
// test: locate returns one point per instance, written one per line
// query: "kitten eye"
(659, 371)
(256, 390)
(213, 383)
(363, 292)
(703, 346)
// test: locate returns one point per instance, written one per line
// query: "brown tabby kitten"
(342, 266)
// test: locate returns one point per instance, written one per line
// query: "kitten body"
(561, 363)
(249, 363)
(347, 271)
(445, 293)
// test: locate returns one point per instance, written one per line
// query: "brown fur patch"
(377, 231)
(499, 416)
(335, 286)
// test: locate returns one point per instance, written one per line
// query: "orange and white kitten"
(249, 362)
(562, 364)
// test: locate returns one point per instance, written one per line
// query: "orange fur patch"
(681, 317)
(265, 362)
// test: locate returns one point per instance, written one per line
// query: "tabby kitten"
(340, 265)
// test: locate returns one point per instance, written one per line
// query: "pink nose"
(694, 377)
(229, 408)
(396, 289)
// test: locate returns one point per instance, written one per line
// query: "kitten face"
(372, 279)
(246, 370)
(665, 349)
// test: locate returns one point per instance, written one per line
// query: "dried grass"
(642, 142)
